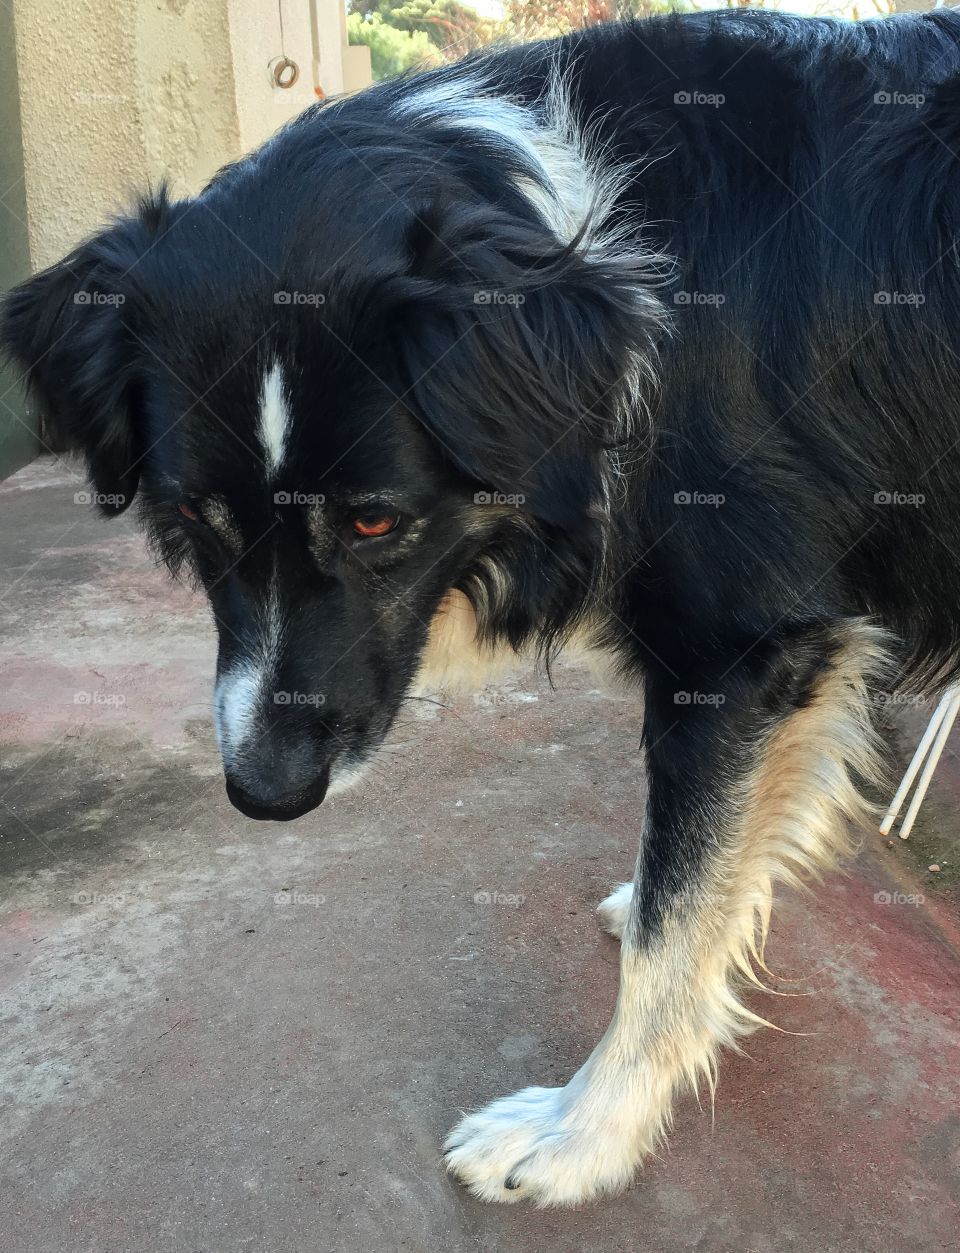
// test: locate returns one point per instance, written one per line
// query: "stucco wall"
(117, 94)
(80, 114)
(186, 96)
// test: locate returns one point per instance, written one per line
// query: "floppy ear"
(65, 327)
(528, 360)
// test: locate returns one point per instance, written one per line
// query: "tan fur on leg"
(679, 992)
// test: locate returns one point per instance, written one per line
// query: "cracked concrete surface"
(220, 1035)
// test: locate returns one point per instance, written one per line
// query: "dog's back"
(805, 176)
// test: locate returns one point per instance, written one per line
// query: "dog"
(644, 339)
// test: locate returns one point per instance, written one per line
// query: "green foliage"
(453, 27)
(403, 34)
(391, 50)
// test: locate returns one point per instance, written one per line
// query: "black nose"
(267, 802)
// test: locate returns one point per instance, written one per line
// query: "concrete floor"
(221, 1035)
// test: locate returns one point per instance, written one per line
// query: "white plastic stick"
(938, 745)
(918, 759)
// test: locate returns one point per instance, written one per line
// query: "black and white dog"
(647, 338)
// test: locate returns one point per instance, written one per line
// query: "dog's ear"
(66, 328)
(528, 360)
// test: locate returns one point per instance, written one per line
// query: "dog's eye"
(373, 526)
(188, 511)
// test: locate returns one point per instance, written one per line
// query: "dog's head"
(363, 369)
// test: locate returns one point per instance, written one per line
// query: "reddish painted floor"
(221, 1036)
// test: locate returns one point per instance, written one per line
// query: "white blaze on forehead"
(274, 417)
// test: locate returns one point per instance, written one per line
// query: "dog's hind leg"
(753, 778)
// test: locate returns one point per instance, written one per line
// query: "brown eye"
(373, 528)
(188, 511)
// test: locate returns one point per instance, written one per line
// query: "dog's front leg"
(750, 781)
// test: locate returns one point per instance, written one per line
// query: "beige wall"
(115, 94)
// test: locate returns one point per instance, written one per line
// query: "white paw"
(615, 909)
(533, 1146)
